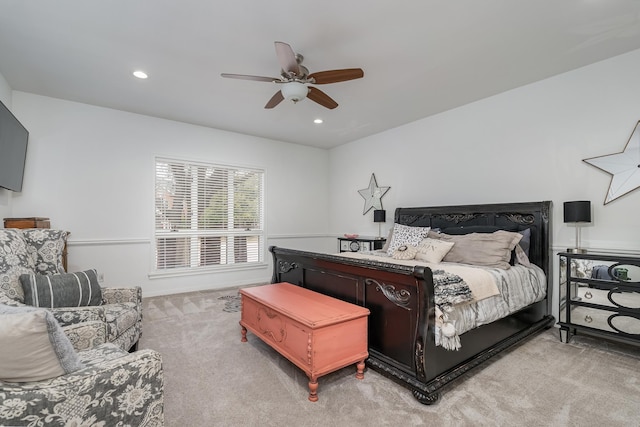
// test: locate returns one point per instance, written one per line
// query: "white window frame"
(225, 257)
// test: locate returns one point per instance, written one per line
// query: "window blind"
(207, 215)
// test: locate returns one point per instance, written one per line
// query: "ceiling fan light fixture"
(294, 91)
(140, 74)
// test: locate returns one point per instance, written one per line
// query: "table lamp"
(577, 212)
(379, 216)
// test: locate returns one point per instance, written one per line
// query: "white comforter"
(510, 290)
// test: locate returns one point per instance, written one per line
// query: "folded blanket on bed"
(450, 290)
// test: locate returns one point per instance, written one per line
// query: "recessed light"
(140, 74)
(318, 121)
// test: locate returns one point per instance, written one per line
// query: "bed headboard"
(509, 216)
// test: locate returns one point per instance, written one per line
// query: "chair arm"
(125, 390)
(71, 315)
(7, 300)
(118, 295)
(86, 335)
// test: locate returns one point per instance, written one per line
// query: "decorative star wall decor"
(373, 195)
(624, 167)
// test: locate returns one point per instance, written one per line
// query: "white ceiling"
(420, 57)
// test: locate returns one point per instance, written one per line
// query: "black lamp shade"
(379, 215)
(579, 211)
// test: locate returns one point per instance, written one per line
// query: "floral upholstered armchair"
(68, 376)
(32, 274)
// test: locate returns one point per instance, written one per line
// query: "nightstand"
(600, 296)
(360, 244)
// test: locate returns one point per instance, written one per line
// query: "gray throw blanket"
(450, 290)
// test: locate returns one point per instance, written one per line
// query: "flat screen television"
(13, 150)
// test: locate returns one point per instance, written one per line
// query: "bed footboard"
(397, 297)
(401, 329)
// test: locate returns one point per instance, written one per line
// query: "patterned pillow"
(433, 250)
(47, 247)
(405, 252)
(14, 261)
(62, 290)
(406, 235)
(33, 346)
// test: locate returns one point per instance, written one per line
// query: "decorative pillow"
(62, 290)
(33, 346)
(433, 250)
(47, 248)
(14, 261)
(521, 257)
(406, 235)
(485, 249)
(405, 252)
(525, 243)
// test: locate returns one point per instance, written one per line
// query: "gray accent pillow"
(484, 249)
(62, 290)
(33, 346)
(46, 247)
(525, 243)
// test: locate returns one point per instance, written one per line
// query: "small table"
(317, 333)
(359, 244)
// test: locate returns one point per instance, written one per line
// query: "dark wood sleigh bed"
(401, 298)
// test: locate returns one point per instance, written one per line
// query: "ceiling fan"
(295, 79)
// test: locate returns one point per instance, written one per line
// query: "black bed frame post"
(274, 257)
(425, 333)
(547, 264)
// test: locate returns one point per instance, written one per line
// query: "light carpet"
(213, 379)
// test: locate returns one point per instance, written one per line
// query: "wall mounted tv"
(13, 150)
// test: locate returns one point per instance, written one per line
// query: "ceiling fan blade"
(335, 76)
(321, 98)
(287, 58)
(276, 99)
(245, 77)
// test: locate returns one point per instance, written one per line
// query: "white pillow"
(433, 250)
(33, 346)
(406, 235)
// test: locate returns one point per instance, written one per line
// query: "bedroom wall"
(523, 145)
(91, 170)
(5, 195)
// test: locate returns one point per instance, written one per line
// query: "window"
(207, 215)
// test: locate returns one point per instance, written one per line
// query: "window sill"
(177, 272)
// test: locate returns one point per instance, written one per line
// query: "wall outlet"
(100, 277)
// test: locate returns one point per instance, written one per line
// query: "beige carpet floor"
(213, 379)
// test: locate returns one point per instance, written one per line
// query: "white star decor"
(372, 196)
(624, 167)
